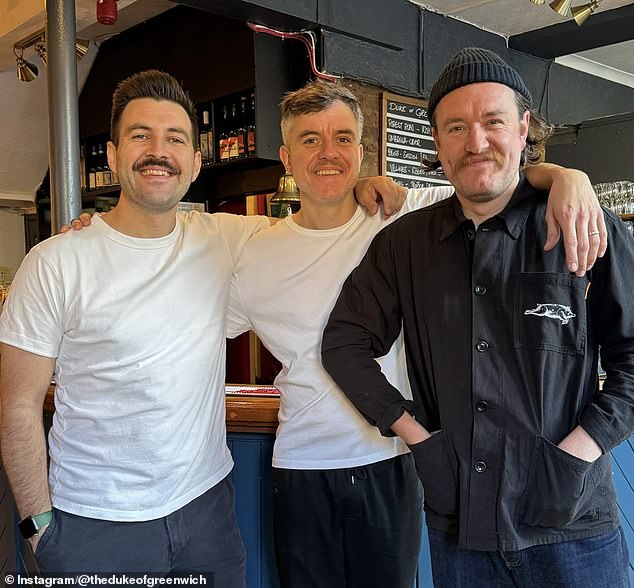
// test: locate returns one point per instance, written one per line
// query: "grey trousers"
(200, 538)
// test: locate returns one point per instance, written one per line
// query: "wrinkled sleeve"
(421, 197)
(363, 325)
(237, 320)
(32, 318)
(609, 419)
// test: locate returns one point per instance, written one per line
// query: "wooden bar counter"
(245, 413)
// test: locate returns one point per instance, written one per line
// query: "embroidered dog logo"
(554, 311)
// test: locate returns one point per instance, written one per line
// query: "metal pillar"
(63, 117)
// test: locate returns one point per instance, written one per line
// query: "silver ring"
(593, 233)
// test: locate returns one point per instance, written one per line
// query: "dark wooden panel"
(210, 55)
(601, 147)
(285, 15)
(364, 60)
(393, 24)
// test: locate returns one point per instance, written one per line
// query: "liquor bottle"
(92, 173)
(223, 142)
(99, 172)
(203, 138)
(210, 144)
(233, 133)
(107, 174)
(251, 128)
(242, 128)
(82, 167)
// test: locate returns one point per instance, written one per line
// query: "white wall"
(12, 247)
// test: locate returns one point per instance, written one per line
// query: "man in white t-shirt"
(138, 455)
(347, 502)
(139, 464)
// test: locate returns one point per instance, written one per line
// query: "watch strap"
(42, 519)
(30, 526)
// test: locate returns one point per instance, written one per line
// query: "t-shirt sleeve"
(420, 197)
(32, 318)
(237, 321)
(238, 229)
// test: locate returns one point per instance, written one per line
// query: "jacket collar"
(511, 219)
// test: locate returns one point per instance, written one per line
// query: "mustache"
(155, 162)
(488, 156)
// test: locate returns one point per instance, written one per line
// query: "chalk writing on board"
(406, 141)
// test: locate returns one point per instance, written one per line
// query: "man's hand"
(370, 191)
(36, 538)
(574, 209)
(77, 224)
(581, 445)
(409, 430)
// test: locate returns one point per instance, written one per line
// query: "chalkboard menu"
(406, 141)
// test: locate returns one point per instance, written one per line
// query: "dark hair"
(316, 96)
(154, 84)
(539, 130)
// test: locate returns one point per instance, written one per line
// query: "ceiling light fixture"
(27, 71)
(561, 7)
(582, 13)
(579, 13)
(40, 49)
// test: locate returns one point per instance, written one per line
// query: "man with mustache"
(347, 505)
(508, 427)
(139, 466)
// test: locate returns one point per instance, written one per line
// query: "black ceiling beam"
(602, 28)
(284, 15)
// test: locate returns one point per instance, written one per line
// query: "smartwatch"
(30, 526)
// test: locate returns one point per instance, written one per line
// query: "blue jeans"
(202, 536)
(598, 562)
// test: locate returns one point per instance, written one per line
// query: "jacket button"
(471, 234)
(480, 467)
(482, 406)
(482, 346)
(480, 289)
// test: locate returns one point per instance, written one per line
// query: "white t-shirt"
(286, 283)
(137, 327)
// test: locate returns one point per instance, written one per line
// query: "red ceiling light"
(107, 12)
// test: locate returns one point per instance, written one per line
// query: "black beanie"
(471, 66)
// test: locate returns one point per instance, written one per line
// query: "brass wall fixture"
(28, 71)
(579, 13)
(287, 199)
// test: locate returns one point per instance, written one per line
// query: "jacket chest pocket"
(550, 313)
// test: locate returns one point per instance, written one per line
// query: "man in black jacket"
(509, 429)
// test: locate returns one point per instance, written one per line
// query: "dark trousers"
(597, 562)
(352, 527)
(202, 537)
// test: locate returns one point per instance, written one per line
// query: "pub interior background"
(376, 46)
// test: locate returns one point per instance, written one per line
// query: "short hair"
(314, 97)
(539, 131)
(154, 84)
